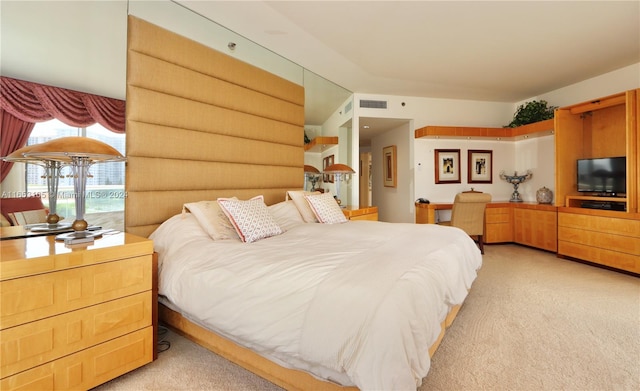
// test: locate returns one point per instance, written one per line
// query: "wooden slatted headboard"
(203, 125)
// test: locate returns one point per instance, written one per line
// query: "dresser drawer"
(599, 255)
(626, 227)
(25, 346)
(35, 297)
(87, 368)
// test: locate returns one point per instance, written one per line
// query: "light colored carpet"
(531, 322)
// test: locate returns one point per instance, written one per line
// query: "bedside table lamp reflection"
(312, 175)
(342, 172)
(52, 173)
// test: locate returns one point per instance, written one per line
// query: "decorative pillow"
(251, 219)
(285, 214)
(28, 217)
(297, 196)
(212, 219)
(326, 209)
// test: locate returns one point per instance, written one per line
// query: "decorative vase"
(544, 195)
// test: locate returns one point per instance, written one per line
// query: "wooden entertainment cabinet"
(604, 127)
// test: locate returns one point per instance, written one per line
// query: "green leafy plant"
(306, 138)
(530, 112)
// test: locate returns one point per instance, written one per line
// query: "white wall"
(536, 154)
(395, 204)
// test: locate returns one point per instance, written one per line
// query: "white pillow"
(297, 196)
(251, 219)
(326, 209)
(212, 219)
(286, 214)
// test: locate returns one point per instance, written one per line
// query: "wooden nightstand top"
(20, 257)
(352, 211)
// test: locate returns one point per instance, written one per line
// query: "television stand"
(604, 205)
(618, 204)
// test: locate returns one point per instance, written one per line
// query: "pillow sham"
(326, 209)
(212, 219)
(297, 196)
(251, 219)
(28, 217)
(285, 214)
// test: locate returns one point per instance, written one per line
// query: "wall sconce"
(340, 172)
(79, 153)
(312, 175)
(52, 172)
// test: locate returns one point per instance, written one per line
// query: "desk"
(526, 223)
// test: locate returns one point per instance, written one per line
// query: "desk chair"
(468, 214)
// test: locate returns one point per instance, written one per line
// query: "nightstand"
(74, 317)
(364, 213)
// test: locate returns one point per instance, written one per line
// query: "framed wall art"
(480, 166)
(326, 162)
(447, 165)
(390, 169)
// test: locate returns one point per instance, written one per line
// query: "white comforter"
(358, 303)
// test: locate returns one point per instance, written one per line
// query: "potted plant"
(530, 112)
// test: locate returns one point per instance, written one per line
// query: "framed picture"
(447, 165)
(390, 163)
(326, 162)
(480, 166)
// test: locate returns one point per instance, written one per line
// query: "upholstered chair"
(468, 214)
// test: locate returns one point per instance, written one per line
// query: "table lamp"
(312, 175)
(52, 172)
(341, 172)
(79, 153)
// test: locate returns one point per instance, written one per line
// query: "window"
(105, 189)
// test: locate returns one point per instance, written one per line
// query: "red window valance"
(33, 102)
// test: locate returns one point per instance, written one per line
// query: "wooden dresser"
(74, 317)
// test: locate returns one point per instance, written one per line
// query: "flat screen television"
(605, 176)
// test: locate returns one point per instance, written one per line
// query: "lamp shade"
(311, 169)
(65, 148)
(18, 155)
(338, 168)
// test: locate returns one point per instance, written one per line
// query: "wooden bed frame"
(289, 379)
(203, 125)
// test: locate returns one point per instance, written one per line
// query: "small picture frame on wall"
(390, 166)
(447, 166)
(480, 166)
(326, 162)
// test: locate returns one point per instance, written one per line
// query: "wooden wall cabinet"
(536, 226)
(604, 127)
(74, 317)
(603, 237)
(498, 224)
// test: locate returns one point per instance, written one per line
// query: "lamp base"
(78, 237)
(44, 227)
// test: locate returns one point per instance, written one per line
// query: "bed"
(357, 303)
(202, 126)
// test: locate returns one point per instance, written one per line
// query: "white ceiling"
(479, 50)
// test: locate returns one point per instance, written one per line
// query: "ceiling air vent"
(373, 104)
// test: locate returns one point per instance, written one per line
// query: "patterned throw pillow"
(326, 209)
(251, 219)
(212, 219)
